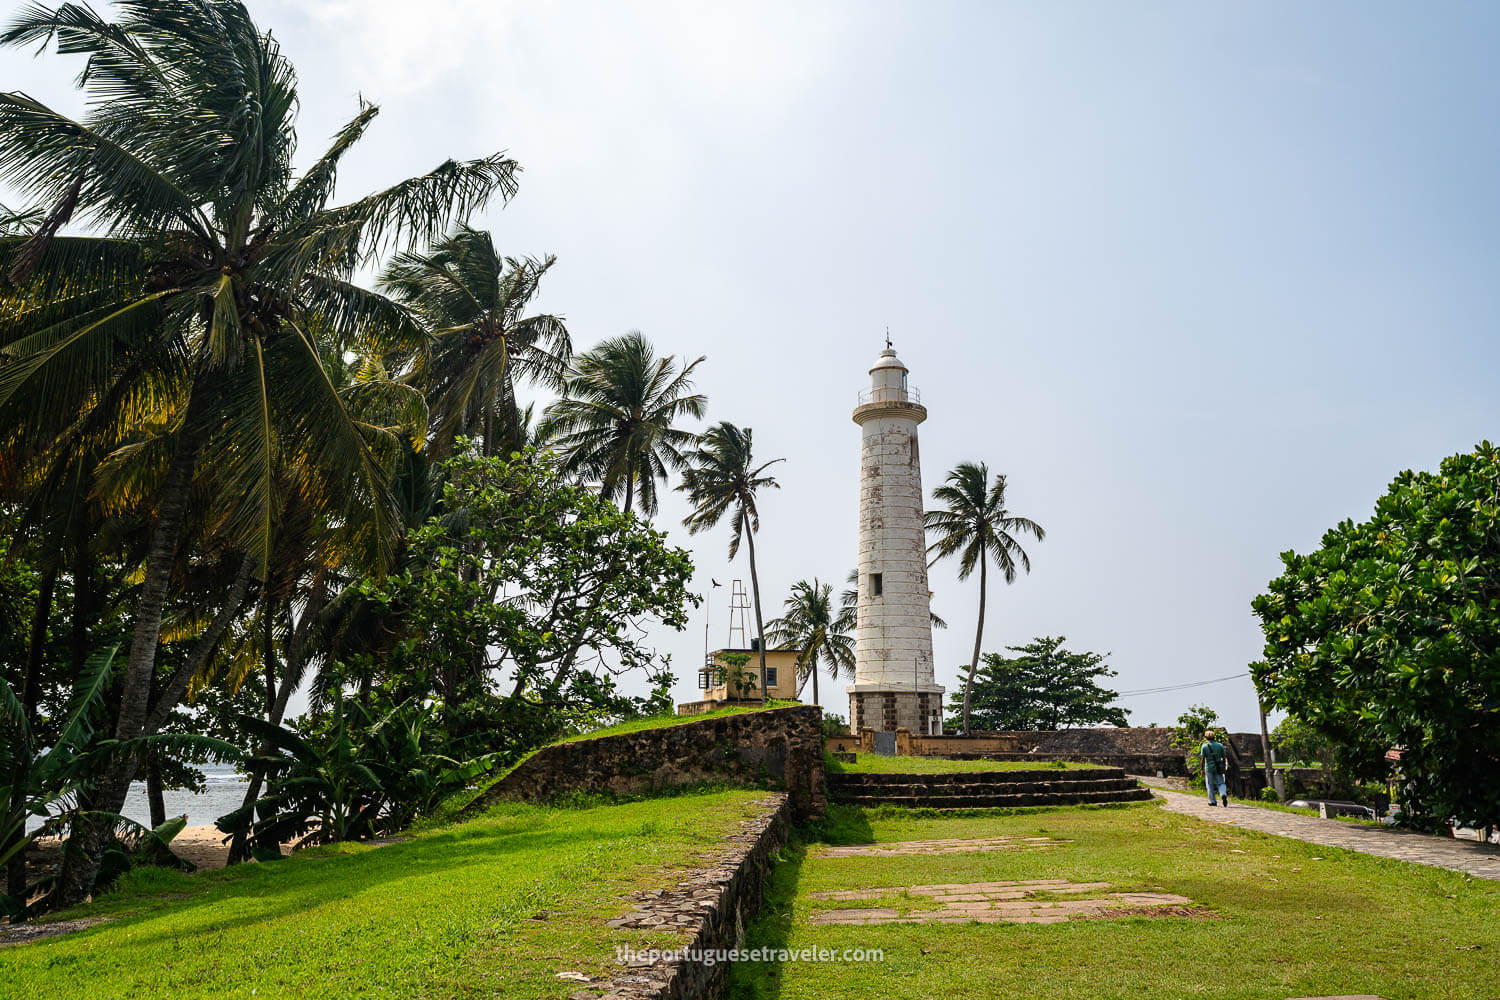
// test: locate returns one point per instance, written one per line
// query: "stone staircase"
(987, 789)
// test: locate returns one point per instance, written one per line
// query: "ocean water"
(225, 792)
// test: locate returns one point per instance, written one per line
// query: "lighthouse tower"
(893, 681)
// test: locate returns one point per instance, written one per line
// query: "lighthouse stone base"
(885, 710)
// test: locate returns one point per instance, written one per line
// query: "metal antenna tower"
(739, 608)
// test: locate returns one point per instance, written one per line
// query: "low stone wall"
(1138, 749)
(1132, 763)
(713, 905)
(780, 747)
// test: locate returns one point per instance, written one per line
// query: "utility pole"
(1265, 743)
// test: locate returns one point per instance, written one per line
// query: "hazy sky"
(1199, 278)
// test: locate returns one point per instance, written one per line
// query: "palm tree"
(975, 525)
(809, 624)
(201, 305)
(719, 475)
(614, 423)
(472, 300)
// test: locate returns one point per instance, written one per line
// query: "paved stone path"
(1467, 856)
(1001, 902)
(948, 846)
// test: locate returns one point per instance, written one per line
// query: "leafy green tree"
(975, 525)
(1388, 636)
(473, 300)
(730, 672)
(524, 570)
(1044, 686)
(1298, 743)
(810, 624)
(1188, 735)
(615, 423)
(216, 282)
(721, 478)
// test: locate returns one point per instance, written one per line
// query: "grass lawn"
(1286, 918)
(869, 763)
(493, 907)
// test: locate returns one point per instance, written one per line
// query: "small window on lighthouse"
(877, 584)
(903, 379)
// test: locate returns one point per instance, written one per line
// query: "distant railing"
(890, 394)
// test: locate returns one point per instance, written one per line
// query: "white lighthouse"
(893, 680)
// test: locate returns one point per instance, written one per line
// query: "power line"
(1181, 687)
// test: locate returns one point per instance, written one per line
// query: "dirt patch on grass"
(22, 933)
(1191, 912)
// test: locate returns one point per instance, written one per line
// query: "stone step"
(978, 788)
(978, 777)
(995, 801)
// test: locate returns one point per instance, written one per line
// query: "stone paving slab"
(947, 846)
(1466, 856)
(969, 890)
(1001, 902)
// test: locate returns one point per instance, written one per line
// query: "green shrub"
(1268, 794)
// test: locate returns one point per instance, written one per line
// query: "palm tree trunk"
(814, 667)
(760, 630)
(978, 639)
(86, 846)
(31, 686)
(154, 799)
(83, 596)
(1265, 742)
(165, 696)
(15, 872)
(36, 647)
(629, 489)
(292, 658)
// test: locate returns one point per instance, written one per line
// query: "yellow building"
(716, 677)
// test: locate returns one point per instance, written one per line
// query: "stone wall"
(1161, 764)
(1138, 741)
(713, 905)
(781, 747)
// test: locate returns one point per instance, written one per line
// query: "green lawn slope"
(1281, 918)
(493, 907)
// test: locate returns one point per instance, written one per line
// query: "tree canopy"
(810, 624)
(222, 454)
(615, 423)
(1388, 636)
(1043, 686)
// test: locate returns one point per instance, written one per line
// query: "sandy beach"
(204, 846)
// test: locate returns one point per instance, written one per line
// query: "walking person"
(1213, 754)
